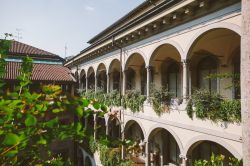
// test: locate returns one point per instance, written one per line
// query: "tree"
(30, 122)
(245, 80)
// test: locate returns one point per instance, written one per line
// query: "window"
(143, 80)
(206, 68)
(130, 76)
(173, 79)
(236, 77)
(116, 80)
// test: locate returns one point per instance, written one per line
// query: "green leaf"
(56, 110)
(42, 141)
(11, 153)
(11, 139)
(85, 102)
(30, 120)
(79, 111)
(97, 105)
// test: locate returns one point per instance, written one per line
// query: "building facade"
(178, 45)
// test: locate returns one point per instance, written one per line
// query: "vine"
(209, 105)
(133, 100)
(160, 100)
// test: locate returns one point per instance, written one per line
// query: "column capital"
(149, 67)
(185, 61)
(184, 157)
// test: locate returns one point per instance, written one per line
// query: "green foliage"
(109, 99)
(30, 122)
(208, 105)
(160, 99)
(218, 161)
(133, 100)
(110, 155)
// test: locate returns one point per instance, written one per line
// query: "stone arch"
(212, 139)
(88, 161)
(131, 55)
(233, 27)
(89, 70)
(82, 73)
(111, 64)
(162, 43)
(101, 65)
(137, 122)
(177, 139)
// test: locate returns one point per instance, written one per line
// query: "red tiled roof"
(18, 48)
(40, 72)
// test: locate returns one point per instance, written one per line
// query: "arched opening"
(202, 150)
(208, 58)
(236, 73)
(80, 158)
(136, 74)
(114, 128)
(88, 162)
(114, 71)
(83, 80)
(206, 68)
(167, 70)
(100, 127)
(91, 78)
(134, 133)
(163, 148)
(102, 77)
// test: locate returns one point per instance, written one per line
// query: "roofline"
(148, 14)
(92, 40)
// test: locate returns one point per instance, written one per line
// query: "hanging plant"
(209, 105)
(160, 100)
(133, 100)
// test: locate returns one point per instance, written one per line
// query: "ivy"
(133, 100)
(160, 100)
(209, 105)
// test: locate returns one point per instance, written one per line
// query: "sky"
(53, 24)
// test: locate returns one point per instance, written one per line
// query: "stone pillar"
(123, 147)
(107, 129)
(245, 80)
(108, 75)
(183, 160)
(148, 81)
(95, 124)
(96, 83)
(161, 159)
(185, 81)
(123, 82)
(86, 84)
(147, 155)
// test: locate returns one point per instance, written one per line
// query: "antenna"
(65, 50)
(19, 34)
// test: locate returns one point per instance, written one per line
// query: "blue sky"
(50, 24)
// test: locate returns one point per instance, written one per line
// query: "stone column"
(185, 81)
(86, 84)
(148, 81)
(96, 83)
(123, 82)
(107, 129)
(147, 155)
(245, 80)
(95, 124)
(108, 75)
(183, 160)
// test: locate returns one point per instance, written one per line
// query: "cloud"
(89, 8)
